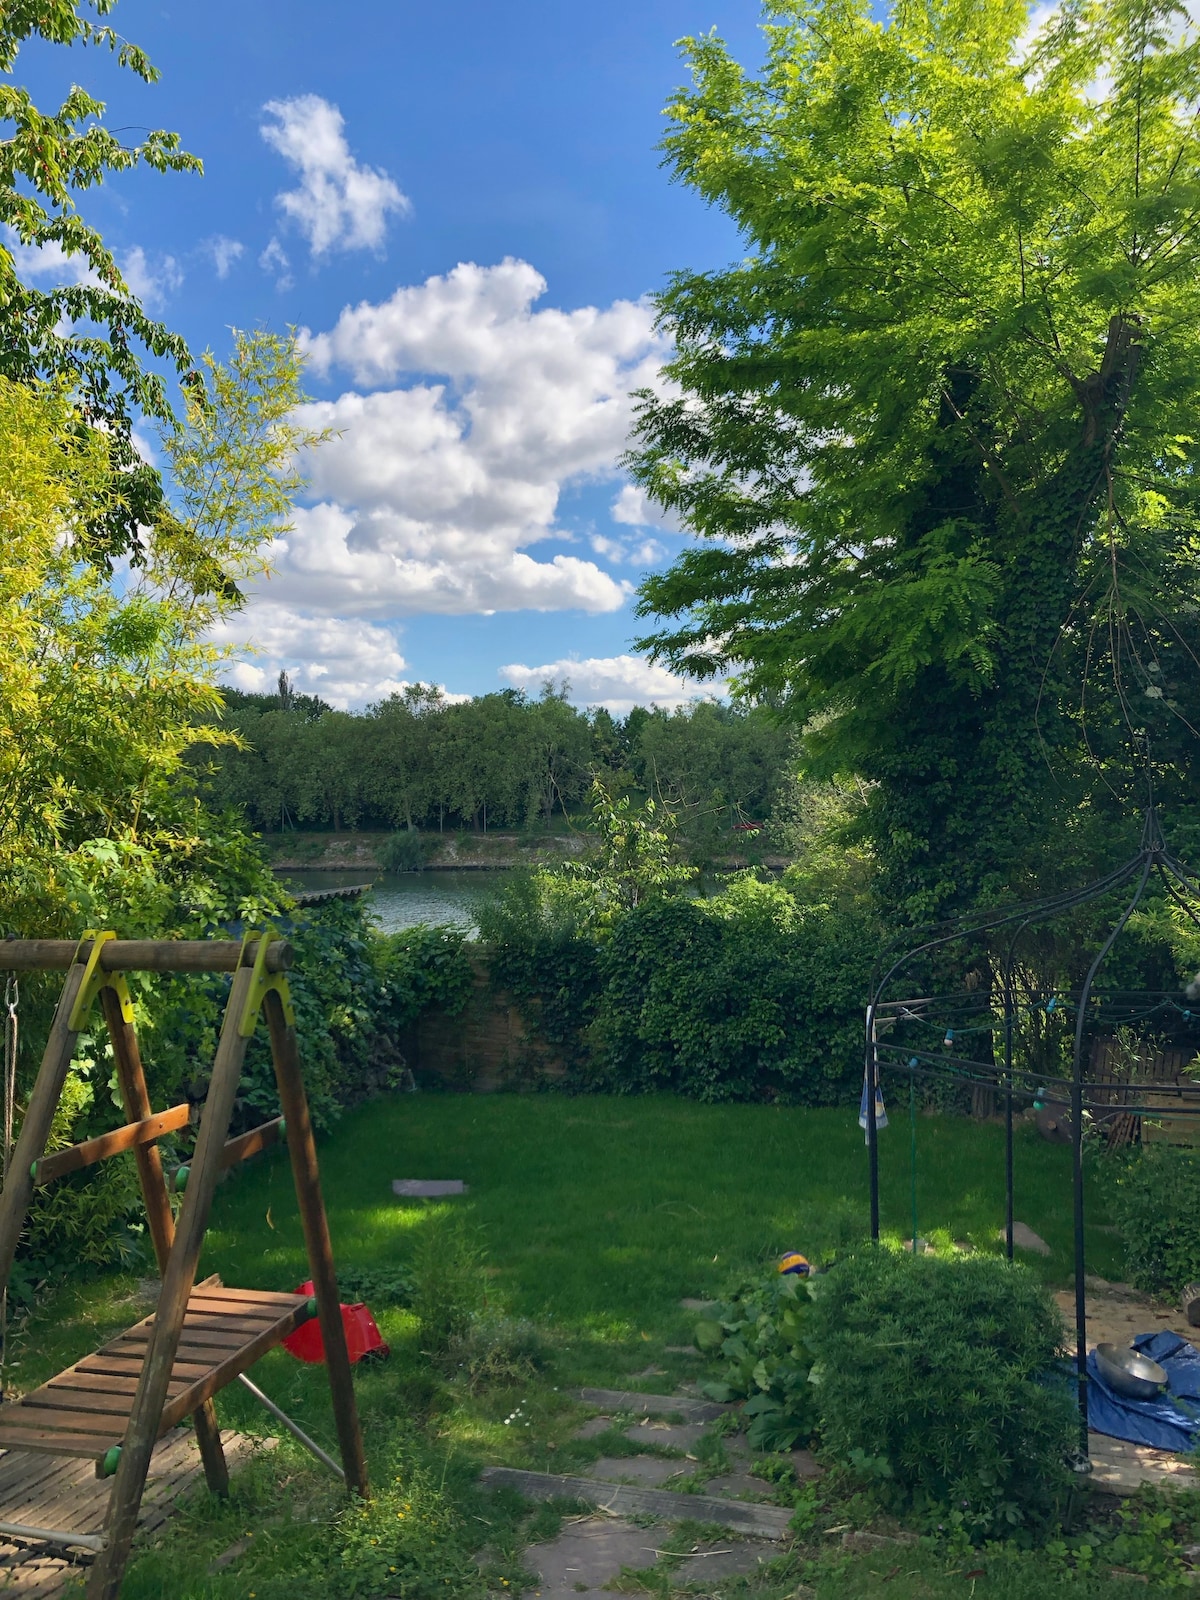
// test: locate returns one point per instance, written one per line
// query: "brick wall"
(482, 1048)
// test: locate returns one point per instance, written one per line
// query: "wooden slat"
(47, 1417)
(104, 1145)
(91, 1383)
(245, 1358)
(264, 1297)
(62, 1398)
(120, 1366)
(198, 1341)
(250, 1144)
(51, 1442)
(138, 955)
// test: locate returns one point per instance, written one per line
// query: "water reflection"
(402, 899)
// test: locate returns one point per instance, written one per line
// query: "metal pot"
(1130, 1373)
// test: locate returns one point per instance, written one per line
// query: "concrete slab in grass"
(666, 1435)
(587, 1555)
(739, 1485)
(651, 1405)
(427, 1188)
(713, 1563)
(593, 1427)
(652, 1470)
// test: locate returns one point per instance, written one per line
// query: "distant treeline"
(416, 760)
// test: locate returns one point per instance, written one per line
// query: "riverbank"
(452, 851)
(457, 850)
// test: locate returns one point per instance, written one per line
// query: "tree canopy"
(84, 333)
(937, 430)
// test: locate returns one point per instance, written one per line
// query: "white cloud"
(224, 252)
(339, 204)
(617, 682)
(346, 663)
(152, 283)
(432, 491)
(48, 261)
(634, 509)
(635, 553)
(275, 259)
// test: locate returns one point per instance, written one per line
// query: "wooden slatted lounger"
(85, 1410)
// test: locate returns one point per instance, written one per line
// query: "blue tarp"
(1169, 1423)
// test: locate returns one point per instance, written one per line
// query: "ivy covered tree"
(937, 431)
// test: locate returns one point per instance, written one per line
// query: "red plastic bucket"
(362, 1334)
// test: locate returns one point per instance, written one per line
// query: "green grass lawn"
(600, 1213)
(597, 1216)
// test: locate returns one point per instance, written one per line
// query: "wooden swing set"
(113, 1406)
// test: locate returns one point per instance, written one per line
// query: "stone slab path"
(591, 1551)
(649, 1405)
(764, 1522)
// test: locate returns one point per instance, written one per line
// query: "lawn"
(596, 1216)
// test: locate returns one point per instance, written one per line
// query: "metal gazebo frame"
(1152, 859)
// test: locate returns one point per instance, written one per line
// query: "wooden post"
(136, 1096)
(104, 1581)
(303, 1151)
(35, 1126)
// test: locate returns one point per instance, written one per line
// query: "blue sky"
(464, 207)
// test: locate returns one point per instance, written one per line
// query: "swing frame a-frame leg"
(178, 1247)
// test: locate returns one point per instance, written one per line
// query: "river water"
(402, 899)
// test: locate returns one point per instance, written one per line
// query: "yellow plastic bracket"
(94, 979)
(263, 983)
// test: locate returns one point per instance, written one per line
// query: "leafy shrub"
(1153, 1195)
(447, 1282)
(402, 852)
(744, 995)
(496, 1351)
(544, 949)
(760, 1334)
(943, 1373)
(418, 968)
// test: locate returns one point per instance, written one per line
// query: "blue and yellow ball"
(795, 1265)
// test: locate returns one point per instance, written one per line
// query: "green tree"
(83, 334)
(937, 430)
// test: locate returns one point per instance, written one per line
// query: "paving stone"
(722, 1561)
(691, 1410)
(592, 1427)
(666, 1435)
(860, 1542)
(739, 1486)
(680, 1350)
(637, 1469)
(1025, 1239)
(699, 1305)
(427, 1188)
(587, 1555)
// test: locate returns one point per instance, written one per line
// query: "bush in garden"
(740, 996)
(943, 1377)
(760, 1335)
(1153, 1195)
